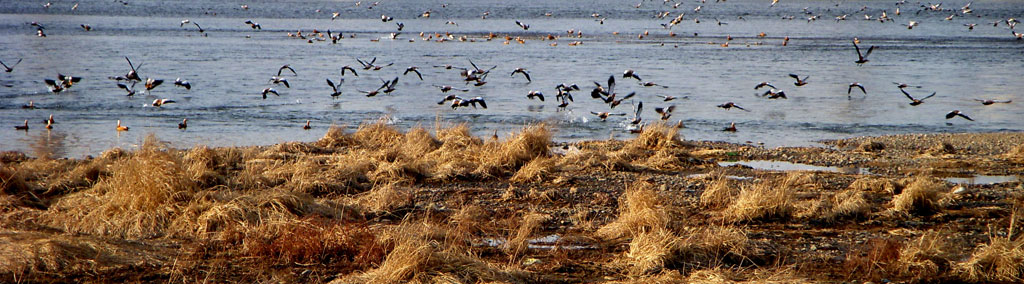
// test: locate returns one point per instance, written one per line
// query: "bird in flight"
(990, 102)
(914, 101)
(9, 69)
(521, 71)
(730, 105)
(852, 85)
(336, 92)
(799, 82)
(284, 67)
(956, 113)
(862, 58)
(413, 69)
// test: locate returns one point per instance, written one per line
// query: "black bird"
(307, 127)
(604, 115)
(201, 30)
(763, 84)
(914, 101)
(30, 105)
(286, 66)
(665, 112)
(630, 73)
(521, 71)
(799, 82)
(349, 68)
(54, 86)
(731, 128)
(956, 113)
(335, 87)
(460, 102)
(134, 73)
(984, 102)
(269, 91)
(729, 105)
(22, 127)
(446, 88)
(614, 103)
(862, 58)
(535, 94)
(9, 69)
(130, 90)
(182, 83)
(389, 86)
(413, 69)
(254, 25)
(280, 80)
(855, 84)
(636, 113)
(775, 94)
(183, 124)
(522, 25)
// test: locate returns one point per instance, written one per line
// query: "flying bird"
(349, 68)
(665, 112)
(535, 94)
(521, 71)
(862, 58)
(161, 102)
(254, 25)
(280, 80)
(983, 102)
(522, 25)
(630, 73)
(855, 84)
(286, 67)
(334, 87)
(763, 84)
(270, 91)
(604, 115)
(152, 83)
(799, 82)
(956, 113)
(914, 101)
(413, 69)
(10, 69)
(182, 83)
(730, 105)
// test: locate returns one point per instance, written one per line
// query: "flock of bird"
(473, 75)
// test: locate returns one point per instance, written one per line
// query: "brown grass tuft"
(1016, 154)
(384, 199)
(640, 210)
(657, 136)
(921, 197)
(537, 170)
(519, 240)
(502, 159)
(138, 200)
(649, 250)
(765, 200)
(720, 192)
(846, 204)
(925, 257)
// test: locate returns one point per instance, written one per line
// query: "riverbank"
(440, 205)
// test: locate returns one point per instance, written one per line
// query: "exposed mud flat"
(439, 205)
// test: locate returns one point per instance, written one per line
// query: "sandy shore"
(439, 205)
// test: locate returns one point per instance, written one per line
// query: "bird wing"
(349, 69)
(393, 83)
(671, 108)
(951, 114)
(870, 49)
(861, 89)
(639, 108)
(418, 74)
(795, 76)
(907, 94)
(965, 116)
(474, 65)
(481, 101)
(596, 113)
(527, 76)
(130, 64)
(286, 67)
(630, 95)
(5, 65)
(932, 95)
(611, 85)
(329, 83)
(861, 56)
(659, 110)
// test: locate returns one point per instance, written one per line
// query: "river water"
(230, 64)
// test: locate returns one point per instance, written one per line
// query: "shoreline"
(425, 205)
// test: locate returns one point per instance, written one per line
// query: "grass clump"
(640, 210)
(765, 200)
(720, 192)
(921, 197)
(138, 200)
(924, 257)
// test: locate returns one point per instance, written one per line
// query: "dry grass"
(518, 242)
(537, 170)
(640, 210)
(720, 192)
(1016, 154)
(384, 199)
(138, 200)
(928, 256)
(649, 250)
(1001, 260)
(921, 197)
(417, 257)
(766, 200)
(845, 204)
